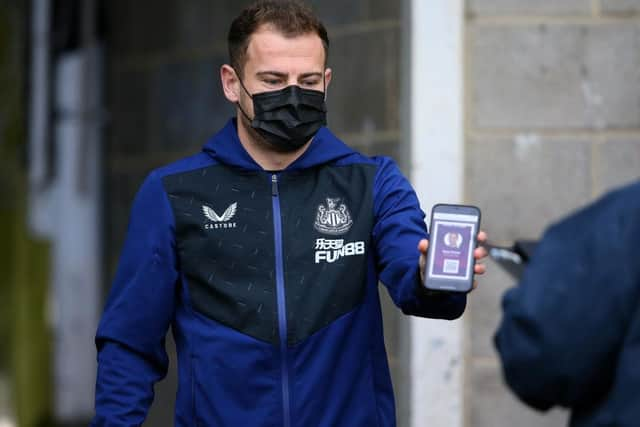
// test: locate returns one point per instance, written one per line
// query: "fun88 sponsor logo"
(331, 250)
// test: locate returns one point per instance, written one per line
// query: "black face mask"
(287, 118)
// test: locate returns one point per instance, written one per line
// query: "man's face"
(274, 62)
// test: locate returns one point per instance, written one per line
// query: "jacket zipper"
(282, 307)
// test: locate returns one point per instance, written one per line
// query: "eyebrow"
(312, 74)
(282, 75)
(270, 73)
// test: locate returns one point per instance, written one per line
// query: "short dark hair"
(290, 17)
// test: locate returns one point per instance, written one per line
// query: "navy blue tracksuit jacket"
(570, 334)
(269, 282)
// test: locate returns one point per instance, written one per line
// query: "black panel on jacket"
(224, 234)
(327, 217)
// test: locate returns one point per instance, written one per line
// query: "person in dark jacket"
(263, 254)
(570, 334)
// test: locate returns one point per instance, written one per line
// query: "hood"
(225, 147)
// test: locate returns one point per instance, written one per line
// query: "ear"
(230, 83)
(327, 78)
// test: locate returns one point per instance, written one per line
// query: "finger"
(423, 246)
(480, 253)
(480, 269)
(422, 261)
(482, 237)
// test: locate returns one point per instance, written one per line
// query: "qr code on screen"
(451, 266)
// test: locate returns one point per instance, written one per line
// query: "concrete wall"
(165, 99)
(552, 121)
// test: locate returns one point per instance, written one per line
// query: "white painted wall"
(65, 200)
(76, 246)
(437, 169)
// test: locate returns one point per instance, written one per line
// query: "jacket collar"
(226, 148)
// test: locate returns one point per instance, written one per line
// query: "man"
(453, 240)
(263, 254)
(570, 334)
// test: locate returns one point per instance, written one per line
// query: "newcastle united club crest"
(334, 218)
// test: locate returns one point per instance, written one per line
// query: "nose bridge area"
(293, 79)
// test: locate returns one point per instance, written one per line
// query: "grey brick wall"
(528, 7)
(555, 76)
(165, 99)
(621, 6)
(552, 122)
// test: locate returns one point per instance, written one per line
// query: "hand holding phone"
(453, 238)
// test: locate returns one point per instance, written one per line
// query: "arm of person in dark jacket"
(139, 310)
(399, 227)
(564, 325)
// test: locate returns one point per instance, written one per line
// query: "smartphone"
(450, 261)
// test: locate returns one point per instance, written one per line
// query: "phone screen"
(452, 245)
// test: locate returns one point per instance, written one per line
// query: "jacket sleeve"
(139, 310)
(399, 227)
(564, 325)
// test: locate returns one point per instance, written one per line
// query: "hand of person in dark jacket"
(479, 253)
